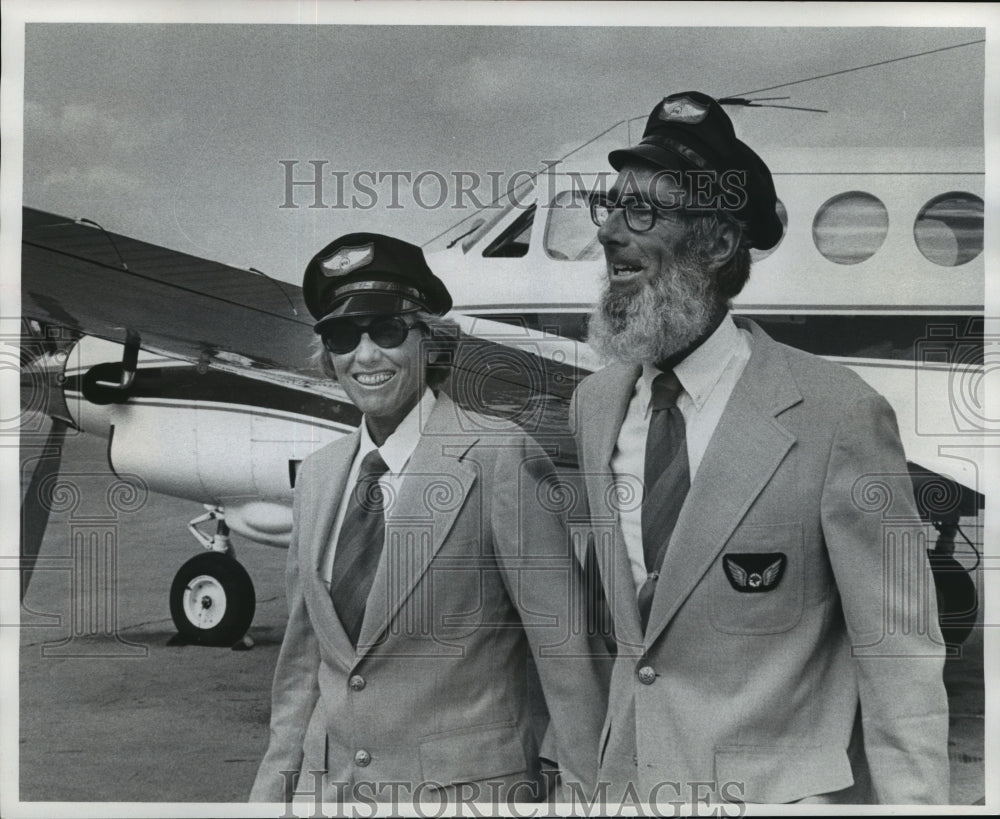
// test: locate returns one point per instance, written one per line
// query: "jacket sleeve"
(546, 582)
(877, 549)
(295, 690)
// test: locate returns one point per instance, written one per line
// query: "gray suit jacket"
(756, 688)
(477, 566)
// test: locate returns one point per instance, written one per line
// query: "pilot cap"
(364, 274)
(691, 131)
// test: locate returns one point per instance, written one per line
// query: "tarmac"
(114, 709)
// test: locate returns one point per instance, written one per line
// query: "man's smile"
(620, 272)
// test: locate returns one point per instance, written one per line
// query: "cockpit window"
(569, 233)
(477, 225)
(513, 242)
(469, 231)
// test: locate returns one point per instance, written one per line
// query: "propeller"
(43, 353)
(35, 507)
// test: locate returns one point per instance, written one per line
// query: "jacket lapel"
(612, 394)
(748, 445)
(416, 525)
(318, 514)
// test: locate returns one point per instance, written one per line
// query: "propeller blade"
(34, 508)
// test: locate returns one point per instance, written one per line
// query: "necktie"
(666, 482)
(359, 546)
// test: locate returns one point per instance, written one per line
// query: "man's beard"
(654, 320)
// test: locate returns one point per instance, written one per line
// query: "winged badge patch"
(684, 110)
(751, 573)
(348, 259)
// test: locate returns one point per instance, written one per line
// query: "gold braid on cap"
(383, 287)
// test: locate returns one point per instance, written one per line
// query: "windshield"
(569, 234)
(470, 230)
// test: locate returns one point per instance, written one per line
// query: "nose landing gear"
(212, 599)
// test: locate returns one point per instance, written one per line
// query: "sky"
(176, 133)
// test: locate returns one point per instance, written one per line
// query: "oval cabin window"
(949, 229)
(850, 227)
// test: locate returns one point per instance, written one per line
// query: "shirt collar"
(701, 370)
(399, 446)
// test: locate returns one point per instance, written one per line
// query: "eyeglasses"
(639, 216)
(343, 335)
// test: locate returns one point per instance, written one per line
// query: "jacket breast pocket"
(756, 583)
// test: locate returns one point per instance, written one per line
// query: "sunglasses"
(342, 336)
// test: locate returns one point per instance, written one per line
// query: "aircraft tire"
(212, 600)
(957, 598)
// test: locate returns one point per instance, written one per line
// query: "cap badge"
(754, 572)
(684, 110)
(348, 259)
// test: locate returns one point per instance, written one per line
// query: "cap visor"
(369, 304)
(651, 154)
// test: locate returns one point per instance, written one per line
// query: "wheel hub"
(204, 601)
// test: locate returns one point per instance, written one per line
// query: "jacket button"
(646, 675)
(362, 758)
(357, 682)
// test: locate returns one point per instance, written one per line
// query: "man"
(421, 568)
(775, 619)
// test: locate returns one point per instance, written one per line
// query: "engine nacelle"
(209, 435)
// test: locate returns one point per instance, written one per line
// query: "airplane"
(198, 373)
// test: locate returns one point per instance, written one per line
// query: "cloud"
(78, 133)
(491, 85)
(80, 151)
(77, 129)
(105, 178)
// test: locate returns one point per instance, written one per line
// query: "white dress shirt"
(708, 376)
(396, 452)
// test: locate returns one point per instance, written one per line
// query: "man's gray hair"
(700, 232)
(439, 348)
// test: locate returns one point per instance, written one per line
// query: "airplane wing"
(79, 276)
(104, 284)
